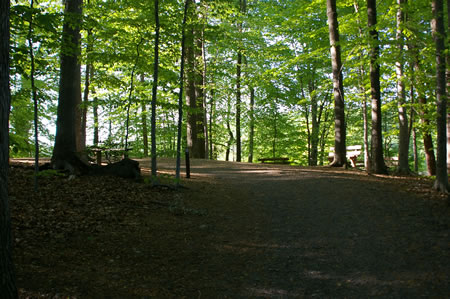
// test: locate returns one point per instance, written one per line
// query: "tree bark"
(87, 83)
(314, 132)
(403, 148)
(211, 121)
(194, 92)
(238, 106)
(34, 98)
(412, 128)
(437, 26)
(448, 87)
(204, 83)
(340, 158)
(155, 91)
(144, 121)
(230, 133)
(95, 115)
(130, 95)
(199, 67)
(378, 166)
(191, 119)
(252, 125)
(362, 91)
(68, 113)
(180, 94)
(242, 9)
(7, 275)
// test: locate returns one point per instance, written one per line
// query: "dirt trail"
(286, 232)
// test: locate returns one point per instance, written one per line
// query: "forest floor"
(237, 230)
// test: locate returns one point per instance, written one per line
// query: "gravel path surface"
(288, 232)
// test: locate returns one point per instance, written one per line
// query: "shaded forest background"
(258, 77)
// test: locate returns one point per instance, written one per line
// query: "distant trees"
(266, 88)
(7, 276)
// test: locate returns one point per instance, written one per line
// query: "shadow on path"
(288, 232)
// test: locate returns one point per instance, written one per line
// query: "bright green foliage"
(286, 50)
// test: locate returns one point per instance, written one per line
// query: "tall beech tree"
(155, 89)
(377, 160)
(448, 87)
(338, 87)
(34, 96)
(242, 9)
(68, 114)
(252, 125)
(362, 92)
(181, 88)
(437, 25)
(403, 143)
(7, 276)
(194, 87)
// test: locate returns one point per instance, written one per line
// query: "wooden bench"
(391, 161)
(275, 160)
(352, 153)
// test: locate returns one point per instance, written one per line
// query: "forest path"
(276, 231)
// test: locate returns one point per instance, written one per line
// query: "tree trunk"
(7, 276)
(252, 125)
(155, 91)
(130, 95)
(68, 113)
(403, 148)
(204, 104)
(238, 107)
(415, 151)
(338, 89)
(314, 133)
(323, 137)
(437, 26)
(211, 121)
(448, 88)
(194, 93)
(412, 128)
(180, 94)
(242, 9)
(275, 130)
(191, 118)
(362, 91)
(144, 122)
(308, 130)
(96, 123)
(34, 98)
(377, 160)
(87, 83)
(230, 133)
(200, 95)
